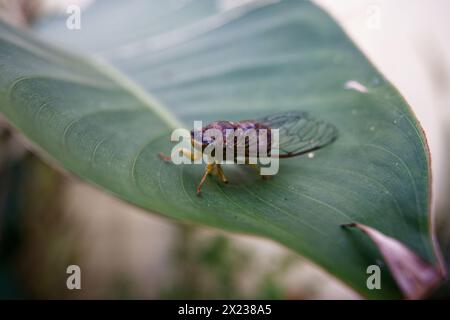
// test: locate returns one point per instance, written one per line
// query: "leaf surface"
(207, 63)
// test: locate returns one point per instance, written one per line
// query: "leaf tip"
(415, 276)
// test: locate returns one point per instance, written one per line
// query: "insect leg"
(185, 152)
(209, 168)
(221, 174)
(191, 155)
(164, 157)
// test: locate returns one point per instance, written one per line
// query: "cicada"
(297, 134)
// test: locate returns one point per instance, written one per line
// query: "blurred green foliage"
(36, 240)
(213, 267)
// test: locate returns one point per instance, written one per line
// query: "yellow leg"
(186, 153)
(209, 168)
(221, 174)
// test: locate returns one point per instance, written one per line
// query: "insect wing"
(299, 133)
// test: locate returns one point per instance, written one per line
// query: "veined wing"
(299, 133)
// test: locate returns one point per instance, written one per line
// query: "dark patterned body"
(247, 133)
(298, 134)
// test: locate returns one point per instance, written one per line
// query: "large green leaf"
(207, 64)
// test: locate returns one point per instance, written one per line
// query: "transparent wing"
(299, 133)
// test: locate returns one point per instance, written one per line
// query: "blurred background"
(50, 219)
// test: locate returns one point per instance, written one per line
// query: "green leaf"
(206, 64)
